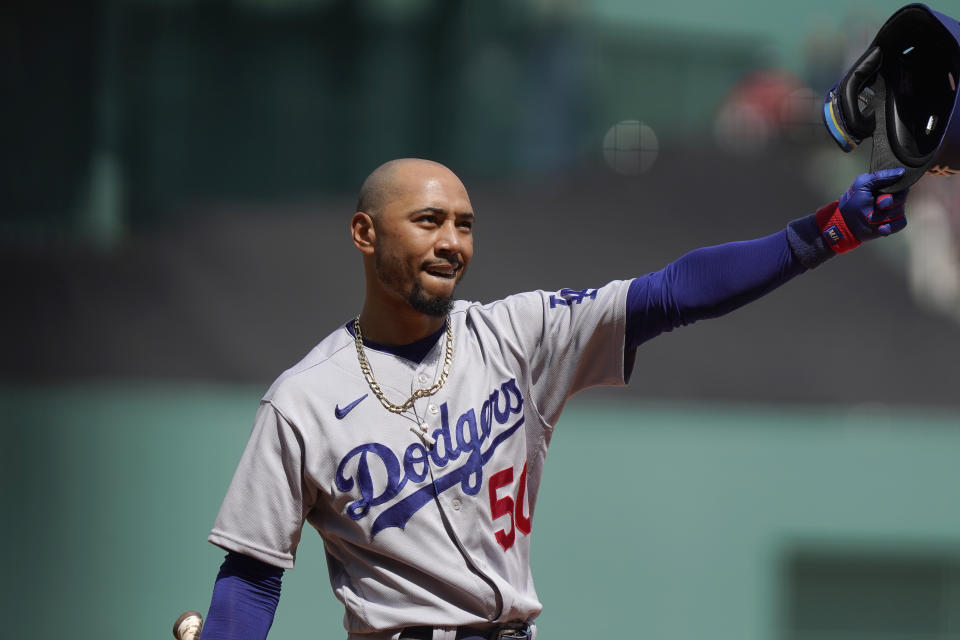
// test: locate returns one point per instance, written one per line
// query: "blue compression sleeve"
(245, 597)
(707, 283)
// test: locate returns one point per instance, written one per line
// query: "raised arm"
(712, 281)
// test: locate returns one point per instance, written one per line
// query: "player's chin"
(431, 306)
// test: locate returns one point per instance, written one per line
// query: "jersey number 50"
(507, 506)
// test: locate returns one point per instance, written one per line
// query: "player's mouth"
(443, 270)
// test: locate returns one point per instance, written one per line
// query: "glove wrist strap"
(834, 229)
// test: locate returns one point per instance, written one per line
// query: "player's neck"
(396, 324)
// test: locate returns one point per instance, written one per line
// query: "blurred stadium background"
(177, 177)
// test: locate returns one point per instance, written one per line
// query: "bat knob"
(187, 626)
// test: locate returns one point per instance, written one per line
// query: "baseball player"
(413, 437)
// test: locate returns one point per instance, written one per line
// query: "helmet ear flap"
(861, 75)
(848, 122)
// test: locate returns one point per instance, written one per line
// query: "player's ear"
(362, 231)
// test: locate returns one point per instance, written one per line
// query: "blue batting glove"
(861, 214)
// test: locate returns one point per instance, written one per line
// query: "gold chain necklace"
(417, 394)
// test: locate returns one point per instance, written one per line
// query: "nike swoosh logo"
(342, 413)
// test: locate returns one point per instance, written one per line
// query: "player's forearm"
(245, 598)
(707, 283)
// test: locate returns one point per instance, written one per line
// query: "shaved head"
(389, 180)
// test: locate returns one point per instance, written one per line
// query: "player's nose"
(448, 238)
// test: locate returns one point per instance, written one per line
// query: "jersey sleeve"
(266, 504)
(569, 340)
(708, 283)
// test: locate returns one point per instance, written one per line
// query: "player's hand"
(861, 214)
(868, 215)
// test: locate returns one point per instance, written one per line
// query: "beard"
(394, 273)
(427, 304)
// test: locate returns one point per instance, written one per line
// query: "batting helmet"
(902, 92)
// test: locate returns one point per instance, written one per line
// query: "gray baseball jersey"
(421, 534)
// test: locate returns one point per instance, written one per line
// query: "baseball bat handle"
(188, 625)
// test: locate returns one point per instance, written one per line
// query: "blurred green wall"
(122, 114)
(667, 522)
(786, 25)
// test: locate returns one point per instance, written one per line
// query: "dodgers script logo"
(466, 439)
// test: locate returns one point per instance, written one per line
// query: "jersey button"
(422, 378)
(455, 503)
(434, 409)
